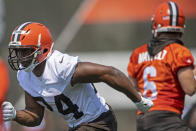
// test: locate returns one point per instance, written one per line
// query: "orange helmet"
(168, 17)
(29, 36)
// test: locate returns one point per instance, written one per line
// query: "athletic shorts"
(105, 122)
(161, 121)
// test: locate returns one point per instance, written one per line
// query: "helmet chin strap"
(32, 65)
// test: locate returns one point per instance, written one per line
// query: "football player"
(62, 83)
(4, 84)
(163, 69)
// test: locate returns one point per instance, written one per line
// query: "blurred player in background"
(62, 83)
(163, 69)
(4, 84)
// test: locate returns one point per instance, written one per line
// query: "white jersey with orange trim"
(53, 90)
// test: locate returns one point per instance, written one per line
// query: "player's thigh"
(105, 122)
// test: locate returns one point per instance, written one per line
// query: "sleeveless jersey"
(157, 77)
(53, 90)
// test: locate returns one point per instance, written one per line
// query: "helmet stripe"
(16, 35)
(177, 13)
(173, 13)
(13, 37)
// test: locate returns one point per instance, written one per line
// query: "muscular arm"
(90, 72)
(187, 81)
(32, 114)
(134, 82)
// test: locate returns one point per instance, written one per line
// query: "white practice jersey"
(76, 104)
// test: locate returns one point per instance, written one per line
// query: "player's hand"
(144, 105)
(9, 113)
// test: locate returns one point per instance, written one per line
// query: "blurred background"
(101, 31)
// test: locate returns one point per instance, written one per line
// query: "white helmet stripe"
(173, 13)
(16, 33)
(39, 40)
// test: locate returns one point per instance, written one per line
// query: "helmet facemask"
(23, 58)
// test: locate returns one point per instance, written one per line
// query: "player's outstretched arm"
(31, 116)
(187, 80)
(90, 72)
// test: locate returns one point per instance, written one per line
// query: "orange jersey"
(157, 78)
(4, 84)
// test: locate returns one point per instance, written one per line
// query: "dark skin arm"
(90, 73)
(33, 113)
(134, 82)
